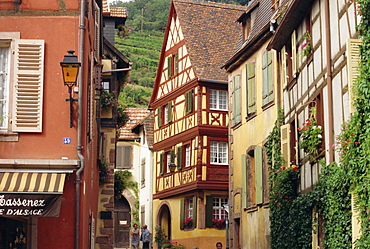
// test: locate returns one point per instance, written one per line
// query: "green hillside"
(140, 40)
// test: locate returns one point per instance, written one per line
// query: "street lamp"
(172, 167)
(70, 67)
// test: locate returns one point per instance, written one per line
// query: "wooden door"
(122, 224)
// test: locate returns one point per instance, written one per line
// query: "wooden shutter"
(284, 75)
(97, 40)
(189, 101)
(172, 156)
(28, 85)
(195, 211)
(258, 168)
(169, 67)
(270, 78)
(236, 100)
(169, 109)
(182, 213)
(285, 144)
(265, 89)
(294, 52)
(161, 163)
(159, 116)
(244, 181)
(251, 88)
(353, 64)
(209, 211)
(176, 62)
(179, 157)
(124, 157)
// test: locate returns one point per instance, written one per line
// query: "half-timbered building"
(190, 106)
(317, 46)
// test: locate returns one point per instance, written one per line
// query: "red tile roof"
(211, 34)
(136, 117)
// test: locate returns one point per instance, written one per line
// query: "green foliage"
(135, 96)
(104, 172)
(160, 237)
(310, 135)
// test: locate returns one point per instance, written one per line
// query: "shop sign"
(30, 205)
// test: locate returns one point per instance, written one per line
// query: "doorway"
(122, 223)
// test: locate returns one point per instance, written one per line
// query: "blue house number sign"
(66, 140)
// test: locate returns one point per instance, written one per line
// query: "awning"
(31, 193)
(32, 182)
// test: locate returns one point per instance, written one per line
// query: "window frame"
(218, 152)
(215, 96)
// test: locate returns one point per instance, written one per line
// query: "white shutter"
(285, 144)
(294, 53)
(28, 85)
(97, 31)
(353, 60)
(283, 67)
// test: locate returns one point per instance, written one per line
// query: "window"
(164, 161)
(236, 92)
(164, 115)
(218, 208)
(268, 86)
(189, 102)
(188, 210)
(124, 157)
(218, 152)
(4, 85)
(24, 86)
(143, 163)
(187, 155)
(215, 212)
(251, 88)
(172, 65)
(105, 85)
(218, 100)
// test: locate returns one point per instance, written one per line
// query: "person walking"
(135, 237)
(145, 237)
(218, 245)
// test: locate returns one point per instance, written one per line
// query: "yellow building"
(254, 104)
(190, 105)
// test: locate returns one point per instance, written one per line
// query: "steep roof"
(210, 33)
(136, 116)
(260, 31)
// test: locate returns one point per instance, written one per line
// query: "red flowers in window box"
(188, 222)
(219, 223)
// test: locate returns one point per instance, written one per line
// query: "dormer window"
(246, 27)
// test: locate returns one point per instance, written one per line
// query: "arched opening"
(164, 219)
(122, 223)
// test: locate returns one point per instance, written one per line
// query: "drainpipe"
(79, 123)
(329, 81)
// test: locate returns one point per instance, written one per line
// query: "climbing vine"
(122, 180)
(330, 198)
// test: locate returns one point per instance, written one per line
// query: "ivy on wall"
(291, 214)
(122, 180)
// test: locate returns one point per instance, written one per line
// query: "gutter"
(79, 125)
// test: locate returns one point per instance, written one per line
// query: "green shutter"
(251, 88)
(236, 100)
(270, 77)
(169, 117)
(189, 101)
(176, 62)
(169, 68)
(172, 155)
(161, 163)
(244, 181)
(179, 157)
(258, 168)
(159, 116)
(265, 92)
(182, 213)
(209, 211)
(195, 211)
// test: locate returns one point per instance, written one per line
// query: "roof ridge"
(214, 4)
